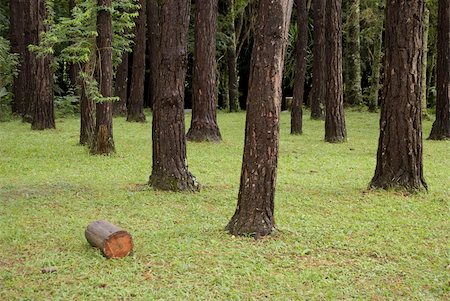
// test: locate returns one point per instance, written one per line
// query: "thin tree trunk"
(17, 13)
(300, 68)
(121, 87)
(87, 106)
(231, 58)
(335, 130)
(255, 209)
(103, 141)
(42, 113)
(169, 169)
(426, 26)
(376, 71)
(353, 90)
(318, 92)
(136, 100)
(153, 37)
(441, 126)
(204, 120)
(399, 157)
(73, 68)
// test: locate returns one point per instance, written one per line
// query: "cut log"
(112, 240)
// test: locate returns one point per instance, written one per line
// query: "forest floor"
(337, 239)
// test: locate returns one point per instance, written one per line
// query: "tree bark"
(318, 92)
(136, 100)
(87, 108)
(204, 120)
(353, 90)
(121, 87)
(399, 157)
(103, 143)
(441, 126)
(335, 130)
(169, 169)
(153, 37)
(17, 13)
(42, 113)
(376, 70)
(300, 68)
(255, 208)
(426, 26)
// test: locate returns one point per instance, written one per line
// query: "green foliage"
(8, 70)
(76, 37)
(337, 240)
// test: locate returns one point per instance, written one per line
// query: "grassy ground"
(337, 240)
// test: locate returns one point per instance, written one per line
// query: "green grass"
(337, 239)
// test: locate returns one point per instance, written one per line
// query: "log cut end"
(112, 240)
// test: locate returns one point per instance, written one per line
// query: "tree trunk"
(17, 13)
(376, 70)
(335, 130)
(318, 92)
(441, 126)
(136, 100)
(399, 158)
(153, 34)
(255, 209)
(204, 120)
(42, 114)
(87, 108)
(169, 169)
(73, 68)
(231, 58)
(103, 143)
(353, 90)
(121, 87)
(426, 26)
(300, 68)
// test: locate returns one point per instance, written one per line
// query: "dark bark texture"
(136, 100)
(17, 13)
(441, 126)
(255, 208)
(42, 112)
(153, 34)
(335, 130)
(121, 87)
(399, 157)
(300, 68)
(204, 120)
(103, 143)
(318, 92)
(169, 169)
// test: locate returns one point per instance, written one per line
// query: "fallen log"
(113, 241)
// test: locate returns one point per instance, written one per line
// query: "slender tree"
(441, 126)
(136, 99)
(426, 30)
(42, 113)
(169, 168)
(153, 39)
(300, 68)
(376, 69)
(204, 121)
(87, 105)
(353, 90)
(121, 87)
(318, 92)
(335, 130)
(231, 58)
(103, 142)
(255, 207)
(399, 158)
(17, 13)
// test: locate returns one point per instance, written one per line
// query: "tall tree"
(87, 105)
(121, 87)
(399, 158)
(153, 34)
(318, 92)
(42, 113)
(426, 30)
(136, 99)
(231, 58)
(103, 142)
(376, 69)
(17, 13)
(441, 126)
(353, 90)
(255, 207)
(335, 130)
(300, 68)
(204, 121)
(169, 168)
